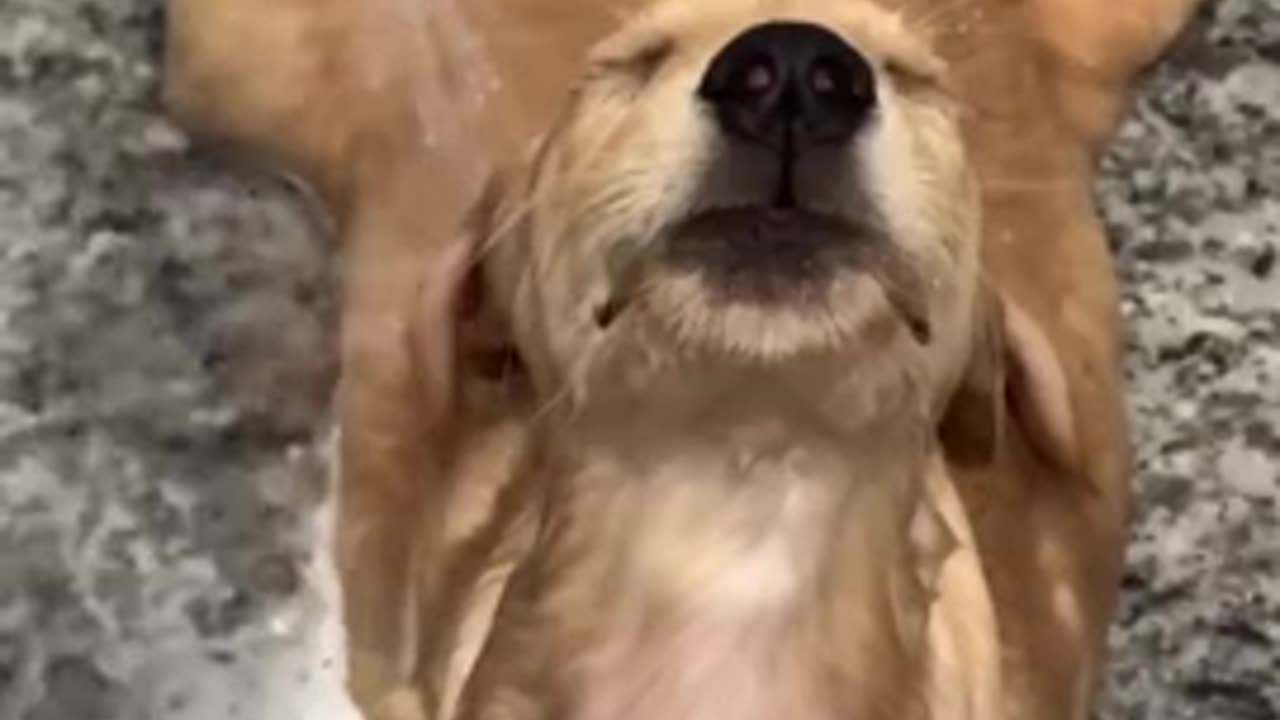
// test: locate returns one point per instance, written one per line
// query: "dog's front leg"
(328, 91)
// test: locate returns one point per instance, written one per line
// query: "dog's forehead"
(880, 28)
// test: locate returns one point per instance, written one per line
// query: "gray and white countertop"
(162, 469)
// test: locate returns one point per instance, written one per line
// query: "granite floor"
(162, 470)
(1192, 194)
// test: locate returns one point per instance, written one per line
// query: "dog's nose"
(789, 85)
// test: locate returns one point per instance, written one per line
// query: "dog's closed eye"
(636, 55)
(910, 74)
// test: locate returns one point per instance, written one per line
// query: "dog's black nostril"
(794, 83)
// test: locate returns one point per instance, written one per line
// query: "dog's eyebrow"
(910, 76)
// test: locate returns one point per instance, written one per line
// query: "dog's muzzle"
(789, 89)
(778, 212)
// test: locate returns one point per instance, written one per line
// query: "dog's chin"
(848, 311)
(766, 284)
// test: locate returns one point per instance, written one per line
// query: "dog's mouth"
(772, 256)
(781, 266)
(767, 255)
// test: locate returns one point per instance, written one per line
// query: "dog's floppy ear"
(1013, 377)
(409, 341)
(461, 337)
(1093, 49)
(1036, 388)
(973, 423)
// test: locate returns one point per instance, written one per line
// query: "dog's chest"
(705, 591)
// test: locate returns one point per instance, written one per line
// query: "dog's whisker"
(506, 226)
(555, 399)
(598, 205)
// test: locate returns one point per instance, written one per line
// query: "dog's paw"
(1095, 49)
(1113, 40)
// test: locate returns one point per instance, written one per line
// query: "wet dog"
(782, 380)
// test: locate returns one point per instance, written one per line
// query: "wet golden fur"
(993, 462)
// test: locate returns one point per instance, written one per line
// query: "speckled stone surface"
(160, 462)
(162, 445)
(1192, 195)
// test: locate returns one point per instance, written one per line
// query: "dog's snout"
(789, 85)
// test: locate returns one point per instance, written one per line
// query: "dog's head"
(724, 184)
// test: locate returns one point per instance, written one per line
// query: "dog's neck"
(722, 545)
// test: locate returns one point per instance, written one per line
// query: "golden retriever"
(782, 380)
